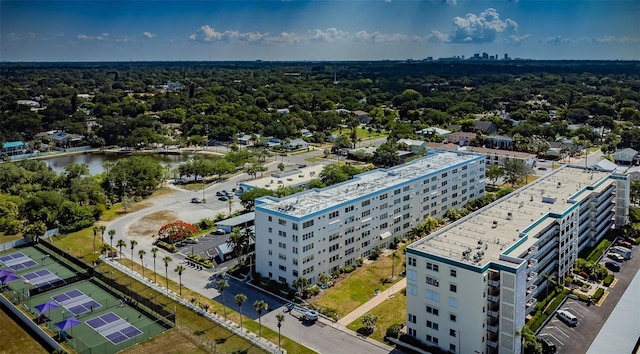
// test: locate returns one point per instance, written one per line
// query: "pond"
(96, 161)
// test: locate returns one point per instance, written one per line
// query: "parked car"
(548, 347)
(219, 232)
(196, 200)
(567, 317)
(615, 256)
(613, 266)
(624, 243)
(223, 198)
(191, 240)
(623, 251)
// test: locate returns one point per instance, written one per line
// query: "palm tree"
(235, 242)
(133, 245)
(248, 235)
(222, 284)
(394, 255)
(240, 299)
(120, 245)
(102, 228)
(111, 234)
(95, 233)
(104, 248)
(141, 254)
(260, 306)
(280, 318)
(552, 282)
(301, 284)
(154, 251)
(166, 261)
(179, 269)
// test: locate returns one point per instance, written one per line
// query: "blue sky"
(317, 30)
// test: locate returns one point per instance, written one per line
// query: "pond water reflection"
(96, 161)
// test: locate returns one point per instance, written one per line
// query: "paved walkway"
(375, 301)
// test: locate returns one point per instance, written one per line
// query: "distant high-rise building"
(485, 56)
(506, 56)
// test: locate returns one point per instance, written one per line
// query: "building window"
(432, 295)
(348, 209)
(432, 266)
(452, 332)
(411, 318)
(294, 226)
(432, 325)
(282, 256)
(406, 198)
(270, 241)
(452, 317)
(270, 218)
(307, 224)
(282, 222)
(411, 289)
(334, 214)
(270, 230)
(270, 264)
(453, 302)
(283, 268)
(383, 196)
(366, 213)
(433, 281)
(411, 261)
(431, 339)
(366, 202)
(452, 348)
(282, 245)
(282, 233)
(412, 332)
(453, 288)
(453, 273)
(432, 310)
(396, 192)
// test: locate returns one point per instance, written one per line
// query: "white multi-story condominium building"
(471, 284)
(324, 230)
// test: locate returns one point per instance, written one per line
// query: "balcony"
(494, 314)
(493, 298)
(532, 276)
(492, 344)
(495, 283)
(533, 262)
(493, 329)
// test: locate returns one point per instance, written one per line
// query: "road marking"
(557, 340)
(613, 283)
(604, 297)
(562, 332)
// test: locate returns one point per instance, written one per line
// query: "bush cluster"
(608, 280)
(198, 259)
(169, 247)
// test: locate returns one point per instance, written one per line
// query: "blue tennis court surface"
(76, 301)
(17, 261)
(42, 277)
(113, 327)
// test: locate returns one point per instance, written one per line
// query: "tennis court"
(84, 312)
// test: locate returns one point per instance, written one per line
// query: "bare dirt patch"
(149, 225)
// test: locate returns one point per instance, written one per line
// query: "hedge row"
(169, 247)
(598, 295)
(536, 321)
(608, 280)
(598, 251)
(202, 261)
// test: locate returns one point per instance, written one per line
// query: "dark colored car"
(548, 347)
(223, 198)
(614, 266)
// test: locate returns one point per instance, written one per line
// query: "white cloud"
(515, 39)
(207, 33)
(378, 37)
(483, 28)
(556, 40)
(12, 36)
(615, 40)
(148, 34)
(126, 39)
(437, 37)
(330, 35)
(100, 37)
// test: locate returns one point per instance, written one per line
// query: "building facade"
(324, 230)
(471, 284)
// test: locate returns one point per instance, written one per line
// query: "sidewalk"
(375, 301)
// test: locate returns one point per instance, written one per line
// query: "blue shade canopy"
(68, 323)
(47, 306)
(7, 278)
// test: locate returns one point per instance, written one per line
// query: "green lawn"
(392, 311)
(359, 286)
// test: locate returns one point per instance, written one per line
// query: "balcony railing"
(492, 344)
(495, 283)
(493, 329)
(493, 298)
(494, 314)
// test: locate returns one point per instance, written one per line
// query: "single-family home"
(485, 127)
(283, 111)
(460, 138)
(434, 130)
(14, 148)
(625, 156)
(363, 117)
(66, 140)
(418, 147)
(244, 140)
(306, 133)
(296, 144)
(605, 165)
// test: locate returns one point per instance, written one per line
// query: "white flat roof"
(311, 201)
(492, 230)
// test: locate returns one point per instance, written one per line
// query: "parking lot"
(578, 339)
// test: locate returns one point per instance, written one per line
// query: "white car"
(615, 256)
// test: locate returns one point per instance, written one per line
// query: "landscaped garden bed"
(199, 260)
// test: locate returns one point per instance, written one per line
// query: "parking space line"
(562, 332)
(556, 339)
(613, 283)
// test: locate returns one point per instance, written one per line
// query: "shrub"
(166, 246)
(202, 261)
(348, 269)
(313, 290)
(394, 330)
(205, 224)
(598, 294)
(568, 280)
(608, 280)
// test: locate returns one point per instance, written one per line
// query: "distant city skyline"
(159, 30)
